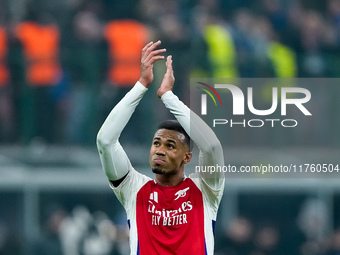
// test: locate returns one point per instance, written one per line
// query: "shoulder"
(210, 195)
(127, 190)
(132, 178)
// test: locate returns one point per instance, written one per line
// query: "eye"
(171, 146)
(156, 143)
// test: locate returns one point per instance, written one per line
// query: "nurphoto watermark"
(278, 120)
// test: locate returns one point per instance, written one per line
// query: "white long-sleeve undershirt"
(114, 159)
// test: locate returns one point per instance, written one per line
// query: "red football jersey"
(169, 220)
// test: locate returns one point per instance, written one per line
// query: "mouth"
(158, 161)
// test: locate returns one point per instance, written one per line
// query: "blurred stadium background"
(64, 65)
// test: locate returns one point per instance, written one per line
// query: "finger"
(144, 50)
(169, 64)
(147, 46)
(154, 53)
(169, 60)
(152, 47)
(154, 59)
(156, 44)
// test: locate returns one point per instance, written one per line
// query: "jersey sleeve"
(113, 158)
(126, 191)
(210, 149)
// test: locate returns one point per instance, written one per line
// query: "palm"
(149, 56)
(168, 80)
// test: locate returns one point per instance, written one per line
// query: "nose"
(160, 151)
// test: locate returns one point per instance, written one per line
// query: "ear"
(187, 157)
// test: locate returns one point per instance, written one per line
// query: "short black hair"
(176, 126)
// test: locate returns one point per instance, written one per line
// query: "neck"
(169, 180)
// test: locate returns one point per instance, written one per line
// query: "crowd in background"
(79, 230)
(76, 231)
(88, 54)
(299, 231)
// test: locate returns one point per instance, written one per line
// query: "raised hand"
(149, 56)
(168, 80)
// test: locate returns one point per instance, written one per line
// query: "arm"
(211, 152)
(114, 160)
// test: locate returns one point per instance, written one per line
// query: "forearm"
(113, 158)
(211, 152)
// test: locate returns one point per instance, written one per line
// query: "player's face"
(168, 152)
